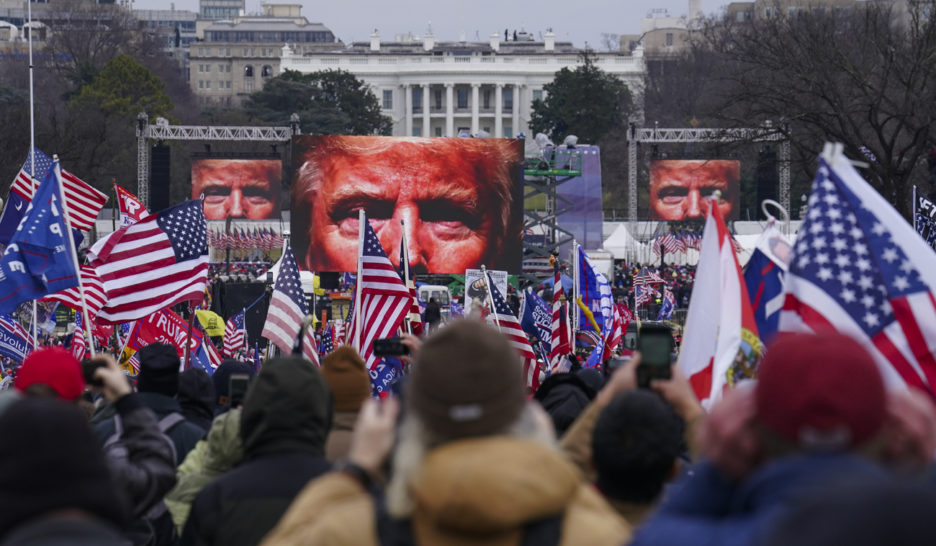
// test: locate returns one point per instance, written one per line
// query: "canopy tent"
(620, 242)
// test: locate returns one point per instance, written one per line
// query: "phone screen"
(239, 383)
(655, 348)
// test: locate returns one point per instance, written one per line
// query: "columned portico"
(499, 111)
(408, 101)
(450, 109)
(426, 128)
(475, 108)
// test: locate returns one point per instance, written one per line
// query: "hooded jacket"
(197, 397)
(284, 422)
(463, 497)
(212, 457)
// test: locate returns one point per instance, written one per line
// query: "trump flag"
(859, 268)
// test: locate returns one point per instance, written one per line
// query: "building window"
(201, 84)
(417, 100)
(537, 95)
(508, 100)
(438, 100)
(388, 99)
(486, 101)
(669, 39)
(220, 68)
(417, 131)
(438, 131)
(462, 98)
(208, 84)
(248, 71)
(249, 86)
(267, 71)
(508, 131)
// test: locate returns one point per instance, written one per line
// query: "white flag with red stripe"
(859, 268)
(721, 344)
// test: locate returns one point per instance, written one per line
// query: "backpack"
(155, 527)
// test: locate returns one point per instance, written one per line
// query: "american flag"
(415, 313)
(385, 300)
(79, 346)
(620, 321)
(646, 276)
(328, 341)
(560, 345)
(155, 263)
(287, 309)
(234, 335)
(84, 201)
(859, 268)
(509, 326)
(93, 289)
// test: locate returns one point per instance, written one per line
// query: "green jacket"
(210, 458)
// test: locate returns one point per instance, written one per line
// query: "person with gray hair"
(472, 462)
(458, 197)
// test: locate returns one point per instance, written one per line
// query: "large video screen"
(238, 188)
(460, 198)
(680, 188)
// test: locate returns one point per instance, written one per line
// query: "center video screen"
(679, 188)
(238, 188)
(461, 200)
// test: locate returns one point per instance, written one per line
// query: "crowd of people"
(816, 451)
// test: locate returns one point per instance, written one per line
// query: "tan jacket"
(338, 443)
(471, 492)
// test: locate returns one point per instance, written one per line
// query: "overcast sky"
(578, 21)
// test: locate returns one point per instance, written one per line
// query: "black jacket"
(184, 435)
(286, 417)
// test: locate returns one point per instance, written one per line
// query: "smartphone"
(390, 347)
(238, 389)
(88, 367)
(656, 345)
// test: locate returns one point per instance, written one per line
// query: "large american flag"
(385, 300)
(859, 268)
(287, 309)
(93, 289)
(507, 323)
(84, 201)
(234, 334)
(155, 263)
(560, 344)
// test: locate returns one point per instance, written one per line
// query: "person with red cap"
(818, 416)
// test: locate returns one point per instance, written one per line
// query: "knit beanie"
(52, 461)
(159, 369)
(347, 376)
(467, 381)
(821, 392)
(54, 367)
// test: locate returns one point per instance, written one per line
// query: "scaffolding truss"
(162, 130)
(636, 135)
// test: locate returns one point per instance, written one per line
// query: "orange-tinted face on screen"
(455, 198)
(682, 189)
(238, 188)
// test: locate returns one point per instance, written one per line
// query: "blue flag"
(763, 276)
(536, 319)
(595, 292)
(38, 261)
(383, 376)
(12, 342)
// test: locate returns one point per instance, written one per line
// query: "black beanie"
(51, 461)
(159, 369)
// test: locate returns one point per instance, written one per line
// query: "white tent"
(306, 278)
(620, 242)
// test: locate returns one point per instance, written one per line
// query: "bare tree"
(610, 41)
(864, 77)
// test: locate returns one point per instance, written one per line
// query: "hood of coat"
(225, 449)
(288, 407)
(490, 486)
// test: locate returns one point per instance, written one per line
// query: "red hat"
(54, 367)
(822, 392)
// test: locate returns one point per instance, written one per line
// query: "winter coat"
(212, 457)
(707, 508)
(284, 422)
(197, 397)
(564, 396)
(65, 531)
(339, 438)
(184, 435)
(474, 491)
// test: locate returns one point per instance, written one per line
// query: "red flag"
(131, 209)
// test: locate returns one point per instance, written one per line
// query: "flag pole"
(32, 156)
(575, 284)
(406, 279)
(914, 209)
(362, 217)
(74, 254)
(487, 284)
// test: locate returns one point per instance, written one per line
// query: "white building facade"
(434, 88)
